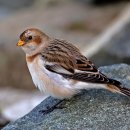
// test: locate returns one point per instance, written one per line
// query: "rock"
(121, 43)
(91, 110)
(116, 51)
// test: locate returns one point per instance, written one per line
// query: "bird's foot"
(50, 109)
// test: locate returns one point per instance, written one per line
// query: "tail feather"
(124, 90)
(116, 86)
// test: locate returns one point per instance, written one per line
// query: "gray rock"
(116, 51)
(121, 43)
(91, 110)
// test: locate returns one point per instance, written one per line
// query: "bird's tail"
(116, 86)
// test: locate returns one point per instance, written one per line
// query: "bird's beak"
(20, 43)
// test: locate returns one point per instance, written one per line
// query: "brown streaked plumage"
(59, 69)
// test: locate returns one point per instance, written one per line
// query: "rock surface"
(91, 110)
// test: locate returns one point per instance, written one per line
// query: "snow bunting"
(59, 69)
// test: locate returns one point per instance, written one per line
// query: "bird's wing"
(66, 60)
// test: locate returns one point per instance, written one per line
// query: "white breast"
(34, 71)
(45, 80)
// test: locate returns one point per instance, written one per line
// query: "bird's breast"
(48, 82)
(34, 70)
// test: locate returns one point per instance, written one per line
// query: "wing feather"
(67, 61)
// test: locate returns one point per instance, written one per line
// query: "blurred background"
(100, 28)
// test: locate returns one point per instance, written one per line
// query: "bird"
(59, 69)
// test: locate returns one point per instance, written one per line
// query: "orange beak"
(20, 43)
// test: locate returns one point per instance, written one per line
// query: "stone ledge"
(91, 110)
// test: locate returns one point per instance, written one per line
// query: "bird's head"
(31, 40)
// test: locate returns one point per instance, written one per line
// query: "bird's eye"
(30, 38)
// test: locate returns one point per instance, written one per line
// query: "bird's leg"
(50, 109)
